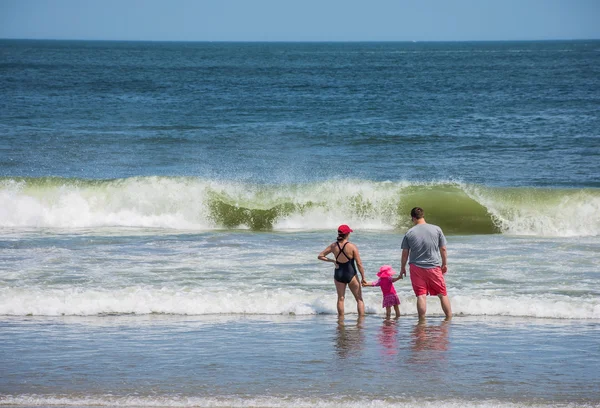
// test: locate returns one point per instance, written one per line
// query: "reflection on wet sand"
(429, 342)
(388, 337)
(430, 337)
(349, 337)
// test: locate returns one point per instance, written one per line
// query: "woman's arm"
(323, 255)
(359, 263)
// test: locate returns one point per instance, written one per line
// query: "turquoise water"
(162, 206)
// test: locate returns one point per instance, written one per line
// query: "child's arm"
(397, 278)
(376, 283)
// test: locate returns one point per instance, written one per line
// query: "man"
(425, 244)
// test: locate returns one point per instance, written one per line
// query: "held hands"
(403, 272)
(364, 282)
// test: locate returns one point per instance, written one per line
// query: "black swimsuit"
(346, 270)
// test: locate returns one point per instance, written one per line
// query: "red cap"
(344, 229)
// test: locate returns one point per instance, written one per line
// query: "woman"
(346, 253)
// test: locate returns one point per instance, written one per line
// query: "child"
(386, 283)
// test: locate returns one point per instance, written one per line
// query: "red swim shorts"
(427, 281)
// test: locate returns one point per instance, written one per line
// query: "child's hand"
(364, 283)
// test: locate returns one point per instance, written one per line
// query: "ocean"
(162, 206)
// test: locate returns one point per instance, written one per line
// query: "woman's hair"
(341, 236)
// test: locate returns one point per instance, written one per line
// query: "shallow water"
(237, 272)
(188, 361)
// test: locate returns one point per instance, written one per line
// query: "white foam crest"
(279, 301)
(138, 202)
(331, 218)
(561, 213)
(257, 402)
(141, 300)
(542, 306)
(326, 205)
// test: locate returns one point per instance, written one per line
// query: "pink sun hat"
(386, 271)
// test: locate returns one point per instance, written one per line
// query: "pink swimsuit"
(390, 298)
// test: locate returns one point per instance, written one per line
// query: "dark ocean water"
(496, 114)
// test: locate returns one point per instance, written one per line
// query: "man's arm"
(444, 255)
(403, 262)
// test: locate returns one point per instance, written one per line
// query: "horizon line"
(298, 41)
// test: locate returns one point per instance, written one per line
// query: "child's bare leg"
(388, 312)
(397, 310)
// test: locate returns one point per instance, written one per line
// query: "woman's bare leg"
(356, 290)
(341, 292)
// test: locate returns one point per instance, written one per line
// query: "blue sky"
(301, 20)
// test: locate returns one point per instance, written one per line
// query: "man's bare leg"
(422, 306)
(446, 307)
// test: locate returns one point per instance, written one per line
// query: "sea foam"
(266, 402)
(148, 300)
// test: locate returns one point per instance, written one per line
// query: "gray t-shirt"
(424, 242)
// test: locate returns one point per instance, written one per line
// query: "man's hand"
(444, 268)
(403, 272)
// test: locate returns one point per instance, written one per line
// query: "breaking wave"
(199, 204)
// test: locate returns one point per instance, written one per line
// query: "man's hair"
(417, 213)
